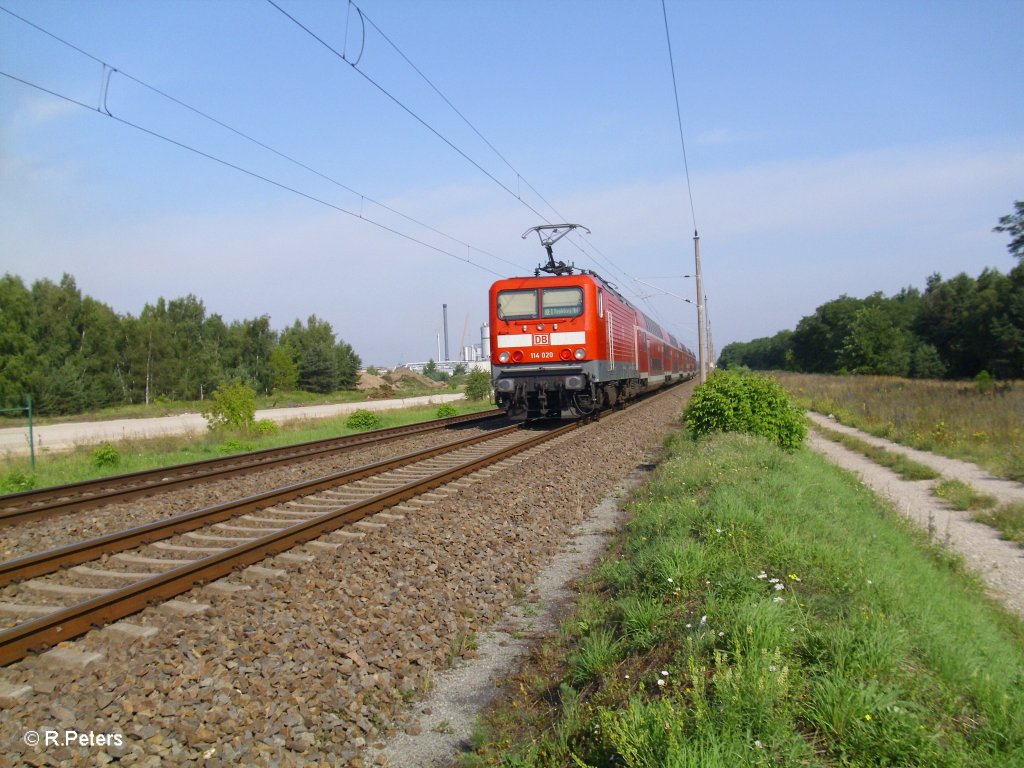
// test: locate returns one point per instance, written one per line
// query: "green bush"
(447, 411)
(232, 446)
(231, 405)
(105, 456)
(264, 427)
(363, 420)
(17, 481)
(740, 401)
(478, 385)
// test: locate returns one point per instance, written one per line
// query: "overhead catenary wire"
(102, 108)
(248, 172)
(679, 115)
(355, 66)
(702, 324)
(404, 107)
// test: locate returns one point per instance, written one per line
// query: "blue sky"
(833, 147)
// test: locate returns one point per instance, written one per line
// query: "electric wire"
(596, 256)
(455, 109)
(679, 115)
(109, 71)
(451, 144)
(405, 108)
(248, 172)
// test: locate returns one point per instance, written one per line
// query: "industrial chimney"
(445, 308)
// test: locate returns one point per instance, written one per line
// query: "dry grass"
(963, 420)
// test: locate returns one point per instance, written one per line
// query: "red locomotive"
(569, 342)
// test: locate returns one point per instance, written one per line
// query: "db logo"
(541, 338)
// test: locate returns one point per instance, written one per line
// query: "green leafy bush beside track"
(741, 401)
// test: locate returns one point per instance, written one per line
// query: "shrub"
(478, 385)
(738, 401)
(231, 405)
(446, 411)
(363, 420)
(17, 481)
(106, 456)
(233, 446)
(264, 427)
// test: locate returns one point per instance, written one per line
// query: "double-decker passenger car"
(568, 343)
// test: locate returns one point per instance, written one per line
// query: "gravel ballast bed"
(315, 665)
(37, 535)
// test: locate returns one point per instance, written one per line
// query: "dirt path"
(1000, 563)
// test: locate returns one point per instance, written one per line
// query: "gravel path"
(66, 436)
(317, 659)
(1000, 563)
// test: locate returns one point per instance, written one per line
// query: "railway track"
(44, 502)
(160, 560)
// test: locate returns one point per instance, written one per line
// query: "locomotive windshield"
(562, 302)
(552, 302)
(517, 305)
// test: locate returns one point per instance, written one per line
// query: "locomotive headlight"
(517, 356)
(565, 354)
(581, 353)
(503, 357)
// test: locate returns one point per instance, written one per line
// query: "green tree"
(876, 345)
(819, 337)
(478, 385)
(284, 372)
(772, 353)
(324, 364)
(347, 362)
(231, 405)
(1013, 223)
(19, 352)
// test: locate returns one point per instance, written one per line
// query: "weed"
(899, 463)
(362, 420)
(957, 420)
(461, 642)
(1009, 519)
(16, 481)
(446, 411)
(264, 427)
(106, 455)
(962, 496)
(596, 654)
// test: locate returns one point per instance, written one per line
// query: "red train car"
(568, 344)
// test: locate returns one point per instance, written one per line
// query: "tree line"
(955, 328)
(73, 353)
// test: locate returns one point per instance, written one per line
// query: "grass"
(86, 463)
(978, 422)
(906, 468)
(162, 406)
(764, 609)
(1008, 519)
(962, 496)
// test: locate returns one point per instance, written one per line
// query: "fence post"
(31, 439)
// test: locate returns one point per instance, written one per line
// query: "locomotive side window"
(562, 302)
(517, 305)
(600, 303)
